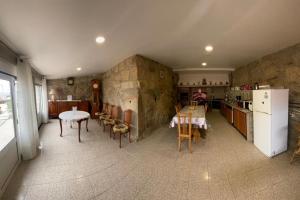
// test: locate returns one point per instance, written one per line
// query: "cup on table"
(74, 108)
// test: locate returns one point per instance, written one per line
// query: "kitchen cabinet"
(56, 107)
(241, 119)
(229, 114)
(53, 109)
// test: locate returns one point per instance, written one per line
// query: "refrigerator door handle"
(262, 112)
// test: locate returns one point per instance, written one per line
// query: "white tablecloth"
(73, 115)
(198, 116)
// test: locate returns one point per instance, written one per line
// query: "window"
(6, 114)
(38, 103)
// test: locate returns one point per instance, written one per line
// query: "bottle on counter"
(256, 86)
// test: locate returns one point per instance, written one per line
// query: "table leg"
(120, 139)
(60, 127)
(87, 121)
(79, 127)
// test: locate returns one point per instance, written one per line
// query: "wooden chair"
(184, 129)
(104, 111)
(107, 114)
(296, 152)
(178, 107)
(206, 107)
(196, 134)
(112, 120)
(194, 103)
(123, 128)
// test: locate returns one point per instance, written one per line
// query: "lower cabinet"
(53, 109)
(56, 107)
(240, 121)
(229, 114)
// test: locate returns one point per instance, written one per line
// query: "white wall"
(7, 68)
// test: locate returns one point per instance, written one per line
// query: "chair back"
(177, 108)
(115, 112)
(194, 103)
(127, 117)
(104, 109)
(205, 107)
(184, 124)
(109, 109)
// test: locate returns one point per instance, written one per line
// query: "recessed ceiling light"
(209, 48)
(78, 68)
(100, 39)
(204, 64)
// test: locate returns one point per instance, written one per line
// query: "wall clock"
(70, 81)
(95, 97)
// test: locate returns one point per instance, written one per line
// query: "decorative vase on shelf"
(204, 82)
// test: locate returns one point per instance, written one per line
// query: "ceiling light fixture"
(100, 39)
(209, 48)
(78, 68)
(204, 64)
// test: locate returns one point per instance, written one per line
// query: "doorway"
(8, 142)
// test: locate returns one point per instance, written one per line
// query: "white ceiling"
(59, 35)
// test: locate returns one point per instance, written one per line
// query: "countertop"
(236, 107)
(67, 100)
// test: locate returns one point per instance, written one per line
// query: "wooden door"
(243, 123)
(83, 106)
(53, 109)
(229, 114)
(236, 118)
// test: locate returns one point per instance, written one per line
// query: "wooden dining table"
(74, 116)
(198, 116)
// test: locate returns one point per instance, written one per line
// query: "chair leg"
(292, 159)
(190, 145)
(129, 140)
(179, 143)
(120, 139)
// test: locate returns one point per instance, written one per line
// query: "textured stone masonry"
(280, 69)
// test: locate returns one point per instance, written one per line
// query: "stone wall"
(144, 86)
(280, 69)
(80, 90)
(121, 87)
(157, 94)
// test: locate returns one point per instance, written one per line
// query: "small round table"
(74, 116)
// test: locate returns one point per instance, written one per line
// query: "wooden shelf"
(200, 86)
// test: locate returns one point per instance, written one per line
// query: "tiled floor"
(222, 166)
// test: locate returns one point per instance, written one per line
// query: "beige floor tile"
(222, 166)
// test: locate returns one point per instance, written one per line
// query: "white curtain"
(44, 101)
(28, 129)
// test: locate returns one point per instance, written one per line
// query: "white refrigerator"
(270, 120)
